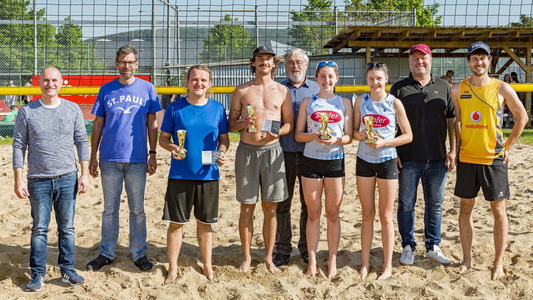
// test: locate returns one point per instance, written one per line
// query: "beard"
(297, 77)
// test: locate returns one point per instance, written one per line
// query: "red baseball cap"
(422, 48)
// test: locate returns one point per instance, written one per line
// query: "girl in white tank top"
(327, 153)
(378, 158)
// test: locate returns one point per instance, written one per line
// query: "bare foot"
(332, 272)
(332, 268)
(363, 272)
(245, 266)
(463, 268)
(497, 273)
(272, 268)
(386, 274)
(311, 270)
(171, 276)
(208, 272)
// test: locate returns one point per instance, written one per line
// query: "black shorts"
(182, 195)
(492, 179)
(319, 168)
(384, 170)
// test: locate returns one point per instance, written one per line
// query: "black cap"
(263, 49)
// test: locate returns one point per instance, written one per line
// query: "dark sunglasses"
(326, 63)
(374, 65)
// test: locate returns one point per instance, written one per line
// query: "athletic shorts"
(320, 168)
(492, 179)
(260, 166)
(383, 170)
(182, 195)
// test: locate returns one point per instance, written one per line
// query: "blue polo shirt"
(306, 89)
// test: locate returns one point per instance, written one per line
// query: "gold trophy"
(369, 121)
(181, 141)
(324, 119)
(251, 113)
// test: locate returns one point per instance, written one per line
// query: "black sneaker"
(98, 263)
(143, 264)
(305, 257)
(280, 259)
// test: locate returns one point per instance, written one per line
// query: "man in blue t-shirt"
(125, 112)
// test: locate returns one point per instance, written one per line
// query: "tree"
(525, 21)
(227, 42)
(313, 37)
(16, 54)
(425, 15)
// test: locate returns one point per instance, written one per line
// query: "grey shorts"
(260, 166)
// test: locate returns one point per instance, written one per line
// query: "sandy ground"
(426, 279)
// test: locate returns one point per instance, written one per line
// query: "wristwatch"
(152, 152)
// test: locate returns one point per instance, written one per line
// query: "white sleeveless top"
(384, 123)
(334, 106)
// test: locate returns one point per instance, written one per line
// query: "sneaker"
(98, 263)
(437, 254)
(143, 264)
(35, 284)
(70, 276)
(280, 259)
(305, 257)
(408, 256)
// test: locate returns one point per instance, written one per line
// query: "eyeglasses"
(298, 63)
(326, 63)
(377, 65)
(129, 63)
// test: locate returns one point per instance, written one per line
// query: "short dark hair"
(125, 50)
(478, 52)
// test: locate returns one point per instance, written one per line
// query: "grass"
(525, 138)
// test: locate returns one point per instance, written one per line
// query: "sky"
(101, 17)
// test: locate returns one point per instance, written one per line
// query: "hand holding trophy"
(324, 119)
(369, 121)
(251, 112)
(181, 142)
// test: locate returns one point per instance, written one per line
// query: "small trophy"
(251, 113)
(369, 121)
(324, 119)
(181, 141)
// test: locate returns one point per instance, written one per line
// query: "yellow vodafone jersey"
(481, 123)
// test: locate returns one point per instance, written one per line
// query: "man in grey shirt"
(47, 129)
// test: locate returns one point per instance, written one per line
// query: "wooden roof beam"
(431, 34)
(460, 34)
(405, 34)
(345, 41)
(376, 34)
(505, 66)
(515, 57)
(484, 36)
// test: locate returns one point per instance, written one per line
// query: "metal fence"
(81, 37)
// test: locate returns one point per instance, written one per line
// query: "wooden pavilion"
(512, 44)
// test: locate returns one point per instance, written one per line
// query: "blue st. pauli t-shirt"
(204, 124)
(125, 109)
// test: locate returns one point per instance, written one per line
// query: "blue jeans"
(133, 177)
(433, 176)
(59, 193)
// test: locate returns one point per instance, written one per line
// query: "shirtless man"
(259, 158)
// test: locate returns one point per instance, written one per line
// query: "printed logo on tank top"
(379, 120)
(333, 116)
(476, 116)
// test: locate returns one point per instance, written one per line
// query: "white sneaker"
(408, 256)
(437, 254)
